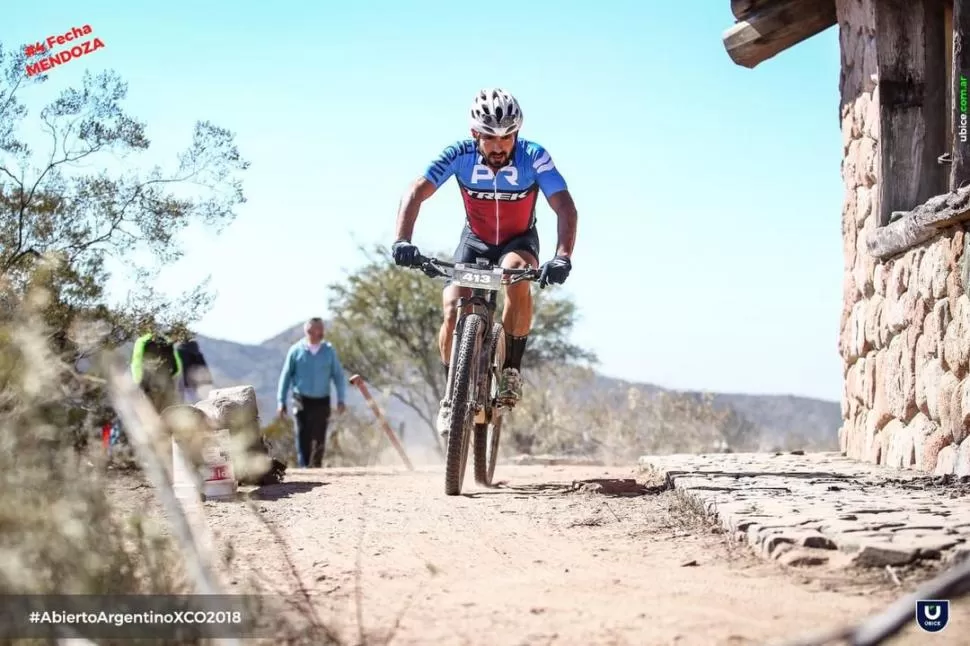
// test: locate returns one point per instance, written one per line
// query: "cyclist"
(499, 176)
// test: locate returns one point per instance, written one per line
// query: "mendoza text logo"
(74, 47)
(932, 615)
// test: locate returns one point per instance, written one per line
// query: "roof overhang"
(766, 27)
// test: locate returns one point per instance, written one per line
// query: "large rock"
(869, 380)
(935, 324)
(231, 407)
(874, 319)
(865, 265)
(933, 445)
(922, 357)
(881, 407)
(932, 376)
(962, 466)
(235, 409)
(956, 340)
(946, 461)
(867, 164)
(858, 344)
(879, 279)
(863, 204)
(932, 272)
(849, 240)
(948, 384)
(900, 450)
(927, 442)
(873, 440)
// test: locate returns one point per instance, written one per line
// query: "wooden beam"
(959, 128)
(921, 224)
(742, 7)
(772, 27)
(912, 103)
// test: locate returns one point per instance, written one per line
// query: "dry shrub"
(61, 529)
(565, 410)
(59, 532)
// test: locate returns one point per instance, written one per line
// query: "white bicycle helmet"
(495, 112)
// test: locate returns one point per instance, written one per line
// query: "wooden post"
(357, 381)
(912, 110)
(960, 128)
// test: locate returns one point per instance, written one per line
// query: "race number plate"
(477, 278)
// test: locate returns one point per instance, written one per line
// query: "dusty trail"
(544, 560)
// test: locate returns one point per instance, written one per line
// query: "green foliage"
(73, 209)
(68, 209)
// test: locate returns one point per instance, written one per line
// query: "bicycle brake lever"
(430, 270)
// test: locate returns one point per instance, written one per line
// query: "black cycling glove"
(555, 271)
(404, 253)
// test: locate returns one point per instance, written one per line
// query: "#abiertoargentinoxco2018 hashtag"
(123, 618)
(75, 45)
(129, 616)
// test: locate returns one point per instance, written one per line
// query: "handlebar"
(437, 268)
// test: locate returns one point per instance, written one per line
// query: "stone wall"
(905, 328)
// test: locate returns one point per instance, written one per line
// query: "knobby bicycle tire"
(456, 457)
(486, 443)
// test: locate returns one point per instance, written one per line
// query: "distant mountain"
(779, 416)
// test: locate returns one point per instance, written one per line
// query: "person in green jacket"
(156, 367)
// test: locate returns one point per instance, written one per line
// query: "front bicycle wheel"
(462, 406)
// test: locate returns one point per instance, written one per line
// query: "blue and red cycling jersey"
(498, 207)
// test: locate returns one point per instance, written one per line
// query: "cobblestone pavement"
(822, 508)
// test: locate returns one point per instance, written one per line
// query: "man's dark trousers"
(312, 417)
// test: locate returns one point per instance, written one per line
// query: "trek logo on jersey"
(481, 172)
(496, 195)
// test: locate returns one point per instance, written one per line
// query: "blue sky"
(709, 253)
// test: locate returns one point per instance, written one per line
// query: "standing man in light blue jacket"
(310, 367)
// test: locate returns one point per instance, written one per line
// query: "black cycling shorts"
(471, 247)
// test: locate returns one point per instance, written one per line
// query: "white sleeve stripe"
(542, 160)
(545, 167)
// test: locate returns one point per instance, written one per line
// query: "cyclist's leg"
(518, 253)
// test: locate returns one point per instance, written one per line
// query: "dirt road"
(557, 556)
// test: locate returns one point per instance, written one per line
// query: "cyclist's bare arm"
(563, 206)
(421, 189)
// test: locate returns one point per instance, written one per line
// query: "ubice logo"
(932, 615)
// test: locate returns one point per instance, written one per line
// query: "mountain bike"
(477, 359)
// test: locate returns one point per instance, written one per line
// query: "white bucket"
(215, 477)
(218, 479)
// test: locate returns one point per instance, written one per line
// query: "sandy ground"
(555, 556)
